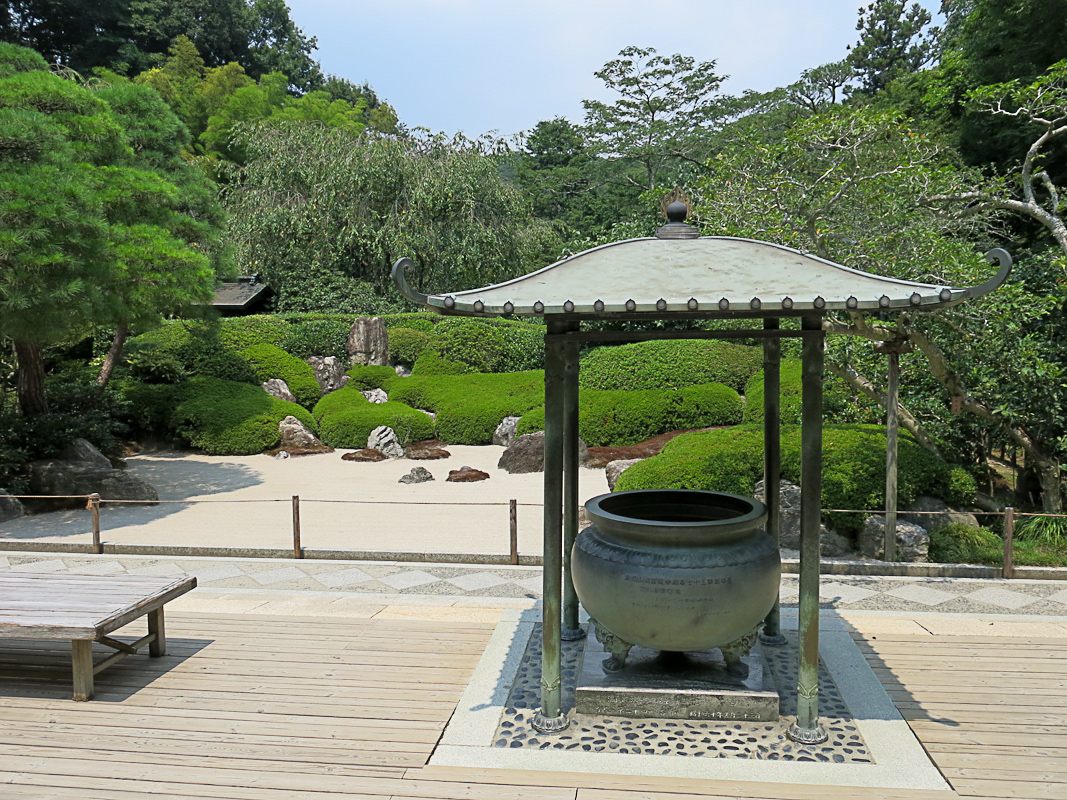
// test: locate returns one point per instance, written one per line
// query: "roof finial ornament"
(676, 209)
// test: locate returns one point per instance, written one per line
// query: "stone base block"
(655, 685)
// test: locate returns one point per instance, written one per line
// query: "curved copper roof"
(707, 275)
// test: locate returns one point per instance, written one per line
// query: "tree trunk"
(113, 354)
(29, 384)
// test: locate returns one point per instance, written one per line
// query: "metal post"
(550, 719)
(571, 631)
(1009, 543)
(772, 461)
(298, 551)
(807, 729)
(513, 519)
(94, 509)
(891, 429)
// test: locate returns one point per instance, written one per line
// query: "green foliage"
(1047, 530)
(891, 43)
(406, 345)
(318, 337)
(962, 544)
(150, 407)
(356, 202)
(853, 474)
(178, 350)
(346, 419)
(368, 377)
(237, 333)
(617, 417)
(269, 361)
(669, 365)
(470, 407)
(790, 394)
(430, 362)
(490, 345)
(224, 417)
(417, 321)
(15, 59)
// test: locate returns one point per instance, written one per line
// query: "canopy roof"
(678, 272)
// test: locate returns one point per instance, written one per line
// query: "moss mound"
(270, 361)
(226, 418)
(670, 365)
(346, 418)
(619, 418)
(731, 460)
(470, 407)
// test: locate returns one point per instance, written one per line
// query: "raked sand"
(432, 517)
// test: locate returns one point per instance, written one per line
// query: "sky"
(475, 67)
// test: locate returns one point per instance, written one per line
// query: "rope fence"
(93, 503)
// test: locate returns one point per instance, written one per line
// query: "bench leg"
(82, 662)
(158, 646)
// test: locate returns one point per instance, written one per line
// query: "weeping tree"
(322, 213)
(846, 185)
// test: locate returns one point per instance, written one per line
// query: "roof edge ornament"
(401, 281)
(1002, 258)
(677, 227)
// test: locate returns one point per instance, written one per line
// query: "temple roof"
(678, 272)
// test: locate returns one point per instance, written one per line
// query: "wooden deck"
(285, 708)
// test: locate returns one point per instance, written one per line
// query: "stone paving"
(384, 580)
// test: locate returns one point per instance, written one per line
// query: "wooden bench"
(84, 609)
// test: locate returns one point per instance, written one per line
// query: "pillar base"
(572, 634)
(816, 735)
(775, 640)
(549, 725)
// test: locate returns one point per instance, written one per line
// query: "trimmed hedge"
(346, 419)
(406, 345)
(369, 377)
(319, 337)
(791, 405)
(226, 418)
(470, 407)
(178, 350)
(670, 365)
(853, 475)
(237, 333)
(270, 361)
(618, 418)
(430, 362)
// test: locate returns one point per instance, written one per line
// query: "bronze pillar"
(772, 460)
(571, 630)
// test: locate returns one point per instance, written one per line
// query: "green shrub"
(790, 394)
(1047, 530)
(226, 418)
(617, 418)
(406, 345)
(489, 345)
(418, 321)
(150, 407)
(369, 377)
(319, 337)
(270, 361)
(470, 407)
(961, 544)
(346, 418)
(180, 349)
(853, 474)
(430, 362)
(237, 333)
(669, 365)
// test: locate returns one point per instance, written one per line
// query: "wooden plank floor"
(278, 707)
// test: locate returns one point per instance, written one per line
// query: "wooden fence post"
(514, 519)
(1009, 542)
(94, 508)
(298, 551)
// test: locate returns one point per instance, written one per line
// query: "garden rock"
(368, 342)
(831, 543)
(366, 454)
(298, 440)
(417, 475)
(943, 514)
(329, 372)
(615, 468)
(276, 387)
(423, 452)
(402, 371)
(913, 542)
(10, 507)
(504, 435)
(376, 395)
(386, 440)
(527, 454)
(83, 470)
(466, 474)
